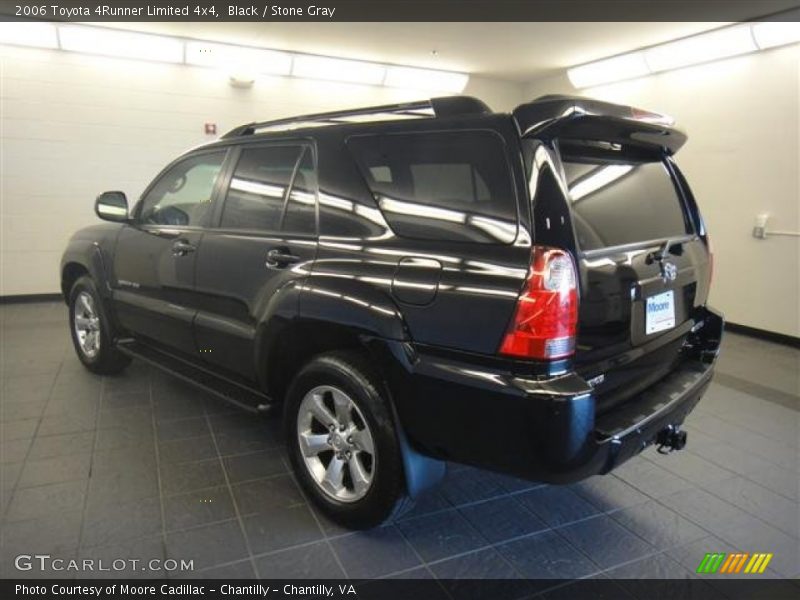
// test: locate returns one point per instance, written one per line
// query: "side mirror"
(112, 206)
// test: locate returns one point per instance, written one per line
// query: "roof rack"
(448, 106)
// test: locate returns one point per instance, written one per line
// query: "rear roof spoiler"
(575, 117)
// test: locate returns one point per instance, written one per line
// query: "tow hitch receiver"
(670, 438)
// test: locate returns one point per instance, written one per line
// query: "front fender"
(91, 254)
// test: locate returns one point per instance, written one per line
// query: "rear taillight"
(546, 316)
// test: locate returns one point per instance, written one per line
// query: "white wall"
(72, 126)
(742, 158)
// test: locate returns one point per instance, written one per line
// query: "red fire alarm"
(211, 128)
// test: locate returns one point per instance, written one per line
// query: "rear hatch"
(637, 239)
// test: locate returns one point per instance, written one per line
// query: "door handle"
(280, 257)
(182, 248)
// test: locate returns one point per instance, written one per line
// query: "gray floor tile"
(547, 555)
(56, 534)
(765, 504)
(470, 485)
(609, 493)
(187, 450)
(374, 553)
(254, 466)
(281, 527)
(650, 478)
(262, 495)
(505, 581)
(658, 525)
(46, 500)
(557, 505)
(57, 469)
(186, 477)
(20, 429)
(440, 535)
(314, 561)
(197, 508)
(115, 523)
(181, 429)
(209, 545)
(12, 451)
(61, 445)
(502, 519)
(606, 542)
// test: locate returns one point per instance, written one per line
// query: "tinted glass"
(301, 213)
(441, 185)
(615, 203)
(258, 188)
(182, 196)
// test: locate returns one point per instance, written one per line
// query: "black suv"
(418, 283)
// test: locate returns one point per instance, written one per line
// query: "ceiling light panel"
(38, 35)
(706, 47)
(772, 34)
(335, 69)
(122, 44)
(618, 68)
(425, 79)
(237, 58)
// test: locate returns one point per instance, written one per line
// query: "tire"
(372, 443)
(88, 321)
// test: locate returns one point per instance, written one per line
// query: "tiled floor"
(144, 466)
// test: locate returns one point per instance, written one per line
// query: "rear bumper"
(546, 429)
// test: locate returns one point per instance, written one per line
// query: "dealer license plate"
(660, 312)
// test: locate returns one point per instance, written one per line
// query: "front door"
(262, 247)
(154, 261)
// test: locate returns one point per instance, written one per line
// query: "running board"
(235, 393)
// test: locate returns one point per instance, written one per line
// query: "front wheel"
(91, 330)
(342, 442)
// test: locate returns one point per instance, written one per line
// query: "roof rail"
(448, 106)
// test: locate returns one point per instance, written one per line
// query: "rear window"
(616, 203)
(441, 185)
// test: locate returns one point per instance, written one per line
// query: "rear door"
(459, 255)
(643, 266)
(264, 241)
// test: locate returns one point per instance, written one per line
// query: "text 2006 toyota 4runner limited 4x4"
(418, 283)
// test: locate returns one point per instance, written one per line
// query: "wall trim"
(763, 334)
(28, 298)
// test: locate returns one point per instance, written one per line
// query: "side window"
(301, 213)
(258, 188)
(454, 185)
(182, 196)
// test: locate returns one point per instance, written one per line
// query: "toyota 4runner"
(418, 283)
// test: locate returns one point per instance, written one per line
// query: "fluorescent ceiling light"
(774, 33)
(123, 44)
(618, 68)
(335, 69)
(722, 43)
(39, 35)
(425, 79)
(237, 58)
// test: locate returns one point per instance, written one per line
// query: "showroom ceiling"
(512, 51)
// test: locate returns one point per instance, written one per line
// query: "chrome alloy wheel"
(87, 325)
(336, 444)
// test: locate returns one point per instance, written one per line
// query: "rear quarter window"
(441, 185)
(617, 202)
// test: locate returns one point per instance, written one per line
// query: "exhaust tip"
(671, 438)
